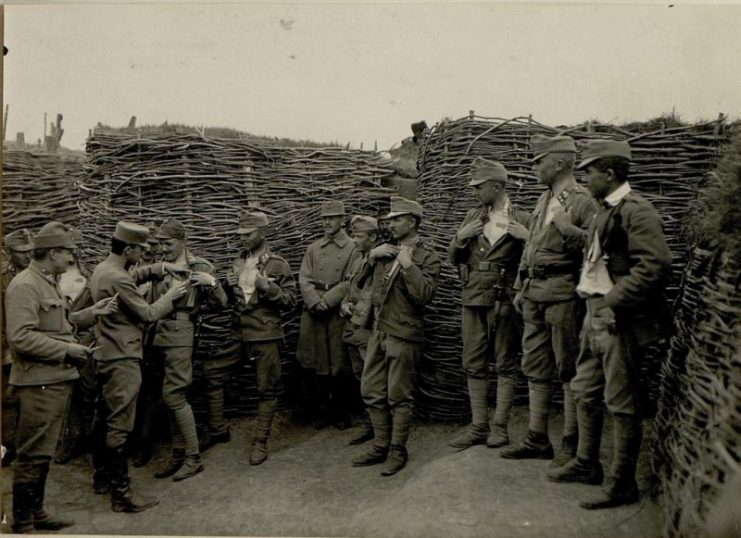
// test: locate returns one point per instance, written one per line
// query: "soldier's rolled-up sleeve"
(22, 326)
(130, 299)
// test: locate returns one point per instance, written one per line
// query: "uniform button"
(481, 249)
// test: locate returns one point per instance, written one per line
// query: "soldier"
(45, 354)
(487, 250)
(18, 246)
(174, 342)
(321, 350)
(74, 286)
(547, 299)
(356, 308)
(404, 280)
(626, 268)
(259, 285)
(117, 371)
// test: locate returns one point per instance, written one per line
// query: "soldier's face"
(488, 191)
(364, 240)
(152, 252)
(132, 254)
(20, 258)
(402, 226)
(172, 249)
(252, 240)
(61, 259)
(598, 182)
(332, 225)
(545, 168)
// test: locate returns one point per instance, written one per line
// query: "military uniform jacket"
(550, 263)
(481, 265)
(177, 329)
(359, 296)
(639, 262)
(39, 330)
(399, 301)
(120, 334)
(323, 269)
(259, 320)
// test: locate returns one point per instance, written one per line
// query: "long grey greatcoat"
(323, 276)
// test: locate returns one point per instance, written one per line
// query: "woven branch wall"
(670, 165)
(39, 187)
(205, 183)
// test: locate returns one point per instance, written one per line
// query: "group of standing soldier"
(577, 286)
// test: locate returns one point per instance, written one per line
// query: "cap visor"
(22, 248)
(397, 214)
(332, 215)
(587, 162)
(537, 157)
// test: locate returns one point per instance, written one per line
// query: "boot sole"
(392, 472)
(368, 464)
(590, 481)
(609, 503)
(137, 509)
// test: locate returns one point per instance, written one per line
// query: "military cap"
(20, 240)
(603, 147)
(152, 239)
(171, 229)
(54, 235)
(333, 208)
(402, 206)
(249, 221)
(131, 234)
(543, 145)
(419, 127)
(363, 223)
(484, 170)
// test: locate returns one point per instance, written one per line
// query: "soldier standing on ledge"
(117, 371)
(258, 286)
(551, 310)
(626, 268)
(487, 250)
(321, 349)
(405, 277)
(19, 246)
(45, 351)
(356, 307)
(174, 344)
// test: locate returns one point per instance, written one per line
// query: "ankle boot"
(123, 499)
(396, 460)
(172, 465)
(535, 446)
(378, 451)
(192, 465)
(366, 434)
(265, 412)
(585, 467)
(23, 501)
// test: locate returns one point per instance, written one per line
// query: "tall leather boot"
(537, 445)
(265, 413)
(570, 438)
(123, 499)
(378, 451)
(506, 387)
(41, 519)
(185, 423)
(71, 440)
(217, 431)
(620, 487)
(24, 484)
(397, 459)
(101, 476)
(477, 432)
(585, 467)
(341, 401)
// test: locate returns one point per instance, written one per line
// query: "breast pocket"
(51, 315)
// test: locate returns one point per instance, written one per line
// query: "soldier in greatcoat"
(321, 349)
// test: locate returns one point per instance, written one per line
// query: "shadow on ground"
(307, 487)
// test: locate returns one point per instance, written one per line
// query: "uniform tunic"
(491, 327)
(638, 260)
(357, 326)
(552, 313)
(399, 298)
(256, 325)
(321, 347)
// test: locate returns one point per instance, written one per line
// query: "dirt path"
(308, 488)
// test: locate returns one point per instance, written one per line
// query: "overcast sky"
(361, 73)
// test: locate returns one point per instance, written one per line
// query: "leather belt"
(324, 287)
(546, 271)
(485, 267)
(182, 315)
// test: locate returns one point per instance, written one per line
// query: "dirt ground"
(307, 487)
